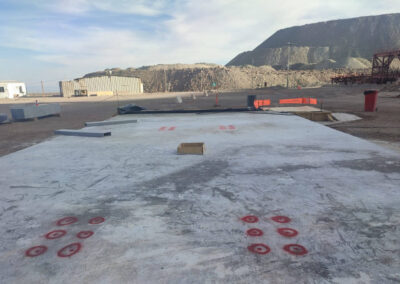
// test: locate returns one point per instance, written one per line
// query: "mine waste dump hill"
(199, 77)
(348, 43)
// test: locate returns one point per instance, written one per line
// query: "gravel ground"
(382, 126)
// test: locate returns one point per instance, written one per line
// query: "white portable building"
(12, 89)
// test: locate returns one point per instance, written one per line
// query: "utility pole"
(165, 82)
(201, 80)
(42, 88)
(288, 66)
(109, 72)
(252, 70)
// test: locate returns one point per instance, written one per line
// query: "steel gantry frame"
(381, 73)
(381, 63)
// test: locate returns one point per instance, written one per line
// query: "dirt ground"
(382, 127)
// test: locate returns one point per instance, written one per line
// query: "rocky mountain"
(348, 43)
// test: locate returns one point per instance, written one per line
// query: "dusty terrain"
(199, 77)
(382, 126)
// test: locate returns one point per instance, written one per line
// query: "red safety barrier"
(260, 103)
(299, 101)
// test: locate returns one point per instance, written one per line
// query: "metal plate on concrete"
(71, 132)
(178, 219)
(110, 122)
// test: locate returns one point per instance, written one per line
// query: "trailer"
(12, 89)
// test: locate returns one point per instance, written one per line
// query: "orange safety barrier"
(313, 101)
(291, 101)
(260, 103)
(299, 101)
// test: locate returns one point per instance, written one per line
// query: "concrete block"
(112, 122)
(71, 132)
(3, 118)
(23, 112)
(191, 148)
(345, 117)
(316, 116)
(250, 101)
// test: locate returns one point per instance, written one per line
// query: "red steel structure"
(381, 73)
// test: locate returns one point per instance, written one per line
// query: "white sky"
(65, 39)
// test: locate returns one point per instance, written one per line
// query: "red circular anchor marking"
(69, 250)
(288, 232)
(254, 232)
(84, 234)
(55, 234)
(67, 221)
(36, 251)
(295, 249)
(250, 219)
(96, 220)
(281, 219)
(259, 248)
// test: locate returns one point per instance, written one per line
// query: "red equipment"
(371, 98)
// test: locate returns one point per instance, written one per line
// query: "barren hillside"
(348, 43)
(197, 77)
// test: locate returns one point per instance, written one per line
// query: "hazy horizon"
(65, 39)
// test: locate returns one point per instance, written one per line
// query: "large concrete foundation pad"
(172, 218)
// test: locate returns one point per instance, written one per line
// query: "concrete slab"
(341, 117)
(3, 118)
(177, 219)
(317, 116)
(308, 112)
(110, 122)
(394, 146)
(345, 117)
(91, 133)
(31, 111)
(294, 109)
(389, 94)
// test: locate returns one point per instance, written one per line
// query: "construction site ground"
(382, 127)
(275, 198)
